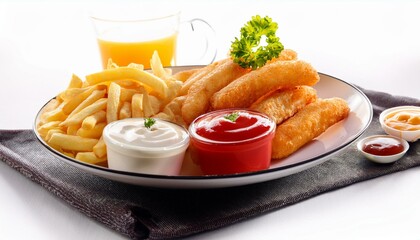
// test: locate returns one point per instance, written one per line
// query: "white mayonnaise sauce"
(162, 134)
(133, 147)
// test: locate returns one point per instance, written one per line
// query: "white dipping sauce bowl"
(379, 158)
(133, 148)
(410, 136)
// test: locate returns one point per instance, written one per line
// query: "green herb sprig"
(232, 117)
(149, 122)
(246, 50)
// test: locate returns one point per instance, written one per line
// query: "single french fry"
(68, 154)
(51, 132)
(44, 128)
(157, 67)
(92, 120)
(111, 64)
(137, 105)
(173, 111)
(174, 87)
(130, 73)
(73, 143)
(70, 93)
(90, 157)
(74, 102)
(136, 65)
(75, 82)
(95, 132)
(147, 107)
(127, 93)
(54, 146)
(51, 105)
(78, 118)
(93, 97)
(72, 129)
(168, 71)
(125, 111)
(113, 102)
(100, 148)
(56, 115)
(129, 83)
(155, 104)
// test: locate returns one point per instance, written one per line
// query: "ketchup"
(383, 146)
(246, 126)
(232, 141)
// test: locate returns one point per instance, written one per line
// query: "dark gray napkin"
(139, 212)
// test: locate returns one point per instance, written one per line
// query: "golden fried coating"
(185, 75)
(250, 87)
(307, 124)
(285, 55)
(199, 94)
(284, 103)
(202, 72)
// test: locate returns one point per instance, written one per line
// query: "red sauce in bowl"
(383, 146)
(222, 146)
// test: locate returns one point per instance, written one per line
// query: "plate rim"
(75, 162)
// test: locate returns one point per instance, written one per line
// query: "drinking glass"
(128, 38)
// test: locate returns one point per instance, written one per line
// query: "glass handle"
(199, 46)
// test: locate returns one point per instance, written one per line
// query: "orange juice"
(124, 53)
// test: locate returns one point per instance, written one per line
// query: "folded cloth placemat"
(140, 212)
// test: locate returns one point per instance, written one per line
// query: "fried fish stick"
(250, 87)
(197, 101)
(185, 75)
(284, 103)
(307, 124)
(198, 75)
(285, 55)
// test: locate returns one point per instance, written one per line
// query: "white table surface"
(370, 43)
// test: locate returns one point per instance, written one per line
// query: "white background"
(374, 44)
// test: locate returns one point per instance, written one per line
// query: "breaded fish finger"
(185, 75)
(198, 75)
(197, 101)
(307, 124)
(284, 103)
(285, 55)
(250, 87)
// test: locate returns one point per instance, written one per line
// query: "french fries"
(78, 118)
(135, 74)
(90, 122)
(72, 143)
(73, 122)
(113, 102)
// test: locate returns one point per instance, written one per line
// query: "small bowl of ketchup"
(231, 141)
(383, 148)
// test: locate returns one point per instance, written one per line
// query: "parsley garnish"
(232, 117)
(148, 122)
(247, 52)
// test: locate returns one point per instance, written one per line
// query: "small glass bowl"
(379, 158)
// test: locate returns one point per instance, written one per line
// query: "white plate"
(319, 150)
